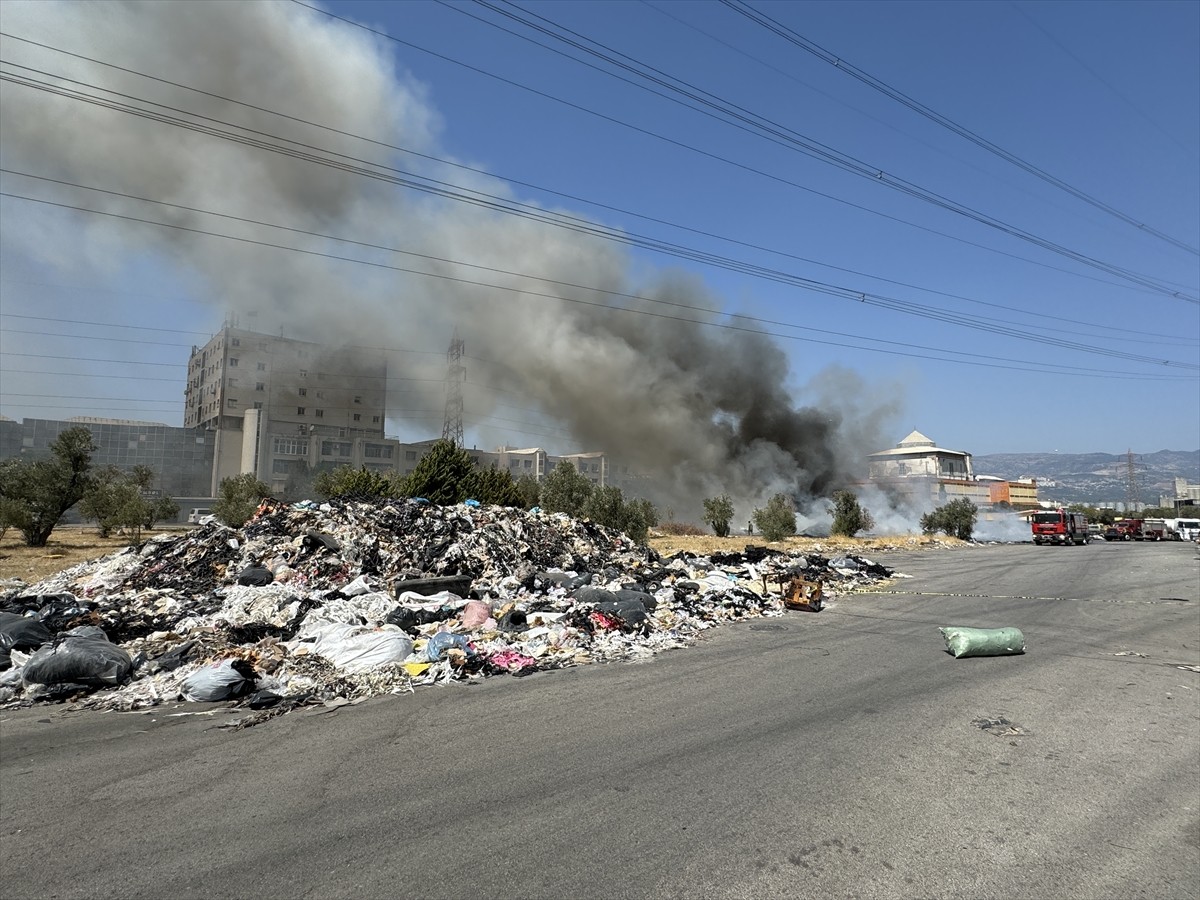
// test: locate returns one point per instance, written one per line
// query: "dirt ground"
(68, 546)
(72, 544)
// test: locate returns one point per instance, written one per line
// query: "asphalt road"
(816, 755)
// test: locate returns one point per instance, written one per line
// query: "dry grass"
(69, 545)
(666, 544)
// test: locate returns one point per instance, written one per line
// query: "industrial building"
(181, 458)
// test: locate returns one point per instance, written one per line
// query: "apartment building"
(279, 407)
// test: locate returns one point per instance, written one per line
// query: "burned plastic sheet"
(531, 592)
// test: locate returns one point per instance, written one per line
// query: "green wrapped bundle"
(963, 641)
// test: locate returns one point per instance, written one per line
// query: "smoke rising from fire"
(706, 410)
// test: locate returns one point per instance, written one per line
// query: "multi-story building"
(924, 473)
(280, 407)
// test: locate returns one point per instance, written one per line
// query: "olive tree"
(37, 493)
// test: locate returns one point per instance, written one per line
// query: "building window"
(320, 395)
(320, 413)
(529, 463)
(258, 404)
(232, 401)
(287, 446)
(237, 342)
(299, 410)
(358, 398)
(233, 362)
(262, 367)
(260, 386)
(377, 451)
(231, 382)
(357, 417)
(375, 420)
(303, 392)
(335, 448)
(515, 464)
(410, 455)
(304, 373)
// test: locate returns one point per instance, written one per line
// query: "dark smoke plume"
(706, 410)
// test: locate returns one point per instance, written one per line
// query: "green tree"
(956, 518)
(38, 493)
(115, 499)
(162, 510)
(565, 490)
(778, 519)
(849, 517)
(239, 497)
(348, 483)
(718, 513)
(492, 486)
(530, 491)
(648, 511)
(441, 475)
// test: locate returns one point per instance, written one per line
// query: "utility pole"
(456, 374)
(1133, 497)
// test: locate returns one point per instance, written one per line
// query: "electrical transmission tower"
(456, 374)
(1133, 496)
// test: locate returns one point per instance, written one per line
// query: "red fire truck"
(1058, 526)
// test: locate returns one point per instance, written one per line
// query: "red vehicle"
(1124, 530)
(1059, 527)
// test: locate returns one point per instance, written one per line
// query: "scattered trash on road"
(962, 641)
(326, 605)
(1000, 727)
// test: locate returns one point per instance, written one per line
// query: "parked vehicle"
(198, 515)
(1123, 530)
(1152, 530)
(1059, 527)
(1187, 529)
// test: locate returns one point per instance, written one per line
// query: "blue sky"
(1104, 97)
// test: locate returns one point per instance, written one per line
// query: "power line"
(767, 129)
(1153, 286)
(799, 40)
(511, 203)
(1022, 365)
(907, 307)
(797, 281)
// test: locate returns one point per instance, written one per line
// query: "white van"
(197, 515)
(1187, 529)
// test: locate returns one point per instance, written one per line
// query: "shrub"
(348, 483)
(565, 490)
(778, 519)
(956, 518)
(239, 497)
(681, 528)
(849, 517)
(718, 512)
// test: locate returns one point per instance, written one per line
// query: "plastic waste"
(20, 633)
(963, 641)
(475, 613)
(442, 642)
(87, 659)
(255, 576)
(357, 648)
(472, 503)
(225, 680)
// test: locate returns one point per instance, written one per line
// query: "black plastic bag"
(84, 659)
(21, 633)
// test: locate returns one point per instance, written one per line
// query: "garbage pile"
(310, 604)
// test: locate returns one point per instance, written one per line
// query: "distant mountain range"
(1095, 477)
